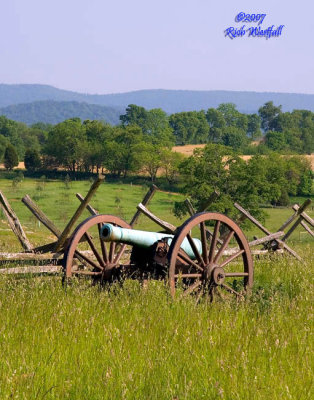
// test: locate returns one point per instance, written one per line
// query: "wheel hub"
(208, 271)
(218, 275)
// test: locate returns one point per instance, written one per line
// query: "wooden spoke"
(192, 276)
(95, 251)
(224, 246)
(103, 246)
(213, 243)
(195, 251)
(205, 274)
(192, 288)
(199, 295)
(204, 242)
(231, 258)
(105, 257)
(235, 274)
(187, 259)
(89, 273)
(112, 251)
(229, 289)
(88, 260)
(119, 255)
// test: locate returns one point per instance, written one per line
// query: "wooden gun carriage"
(208, 253)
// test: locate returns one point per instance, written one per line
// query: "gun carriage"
(208, 253)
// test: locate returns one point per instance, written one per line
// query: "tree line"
(268, 130)
(144, 139)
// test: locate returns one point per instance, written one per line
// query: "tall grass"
(130, 343)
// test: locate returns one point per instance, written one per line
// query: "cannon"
(208, 253)
(144, 239)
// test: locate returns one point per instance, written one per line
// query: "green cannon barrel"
(111, 233)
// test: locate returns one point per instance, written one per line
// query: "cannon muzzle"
(111, 233)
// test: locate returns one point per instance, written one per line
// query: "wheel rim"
(101, 258)
(224, 264)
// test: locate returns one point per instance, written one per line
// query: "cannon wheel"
(225, 265)
(102, 259)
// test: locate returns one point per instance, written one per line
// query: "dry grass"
(188, 149)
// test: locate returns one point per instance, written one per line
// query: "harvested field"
(189, 148)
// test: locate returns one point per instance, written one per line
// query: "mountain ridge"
(53, 112)
(171, 101)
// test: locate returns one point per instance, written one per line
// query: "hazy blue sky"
(97, 46)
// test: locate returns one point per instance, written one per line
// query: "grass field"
(129, 343)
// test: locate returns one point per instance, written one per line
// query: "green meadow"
(126, 342)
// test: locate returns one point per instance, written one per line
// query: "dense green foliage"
(10, 157)
(287, 133)
(32, 160)
(128, 148)
(142, 143)
(260, 180)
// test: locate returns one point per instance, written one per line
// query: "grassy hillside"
(52, 112)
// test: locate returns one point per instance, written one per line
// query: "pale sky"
(97, 46)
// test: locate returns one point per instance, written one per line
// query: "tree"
(135, 115)
(235, 138)
(208, 170)
(10, 157)
(232, 116)
(171, 161)
(306, 184)
(254, 126)
(151, 159)
(276, 141)
(269, 115)
(98, 134)
(32, 160)
(156, 127)
(189, 127)
(3, 146)
(124, 153)
(66, 142)
(154, 123)
(215, 118)
(12, 130)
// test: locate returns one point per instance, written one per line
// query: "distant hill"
(52, 112)
(169, 100)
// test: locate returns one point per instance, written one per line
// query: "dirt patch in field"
(189, 148)
(20, 166)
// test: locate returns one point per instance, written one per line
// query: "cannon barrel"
(111, 233)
